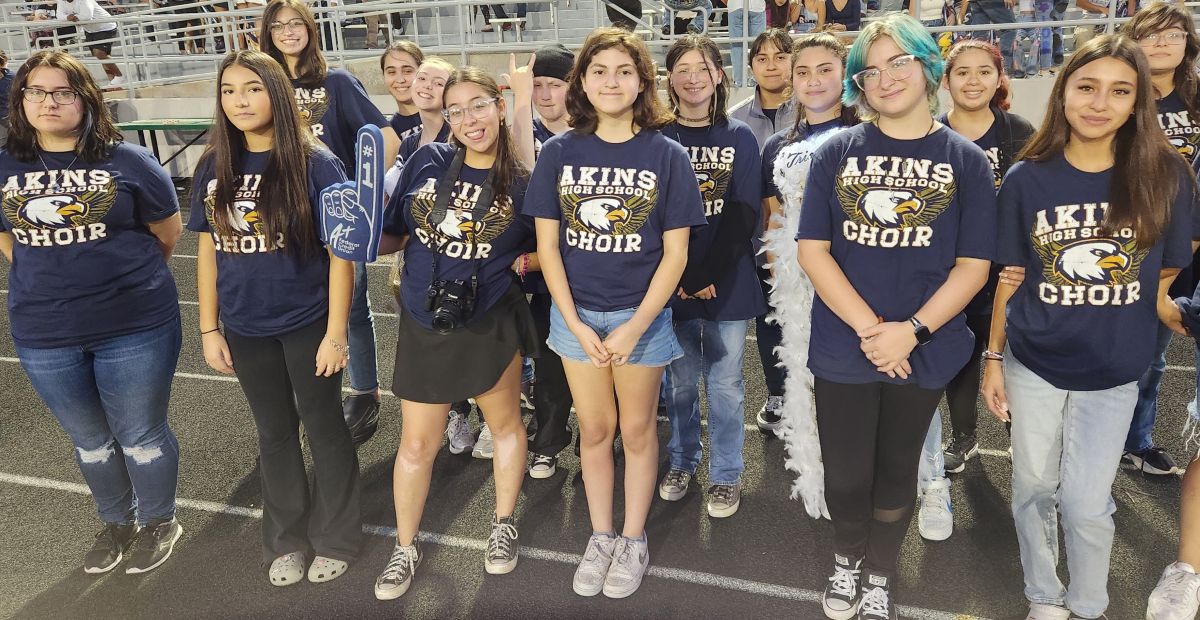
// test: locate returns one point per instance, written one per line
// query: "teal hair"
(911, 37)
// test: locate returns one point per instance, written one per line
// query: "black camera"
(451, 302)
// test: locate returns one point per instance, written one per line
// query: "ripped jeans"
(111, 397)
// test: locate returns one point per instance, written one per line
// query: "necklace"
(50, 177)
(932, 122)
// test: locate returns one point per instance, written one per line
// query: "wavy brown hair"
(648, 111)
(848, 114)
(712, 61)
(1145, 176)
(507, 165)
(96, 132)
(311, 67)
(403, 46)
(283, 203)
(1160, 16)
(1000, 97)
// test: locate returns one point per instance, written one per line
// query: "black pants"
(962, 392)
(769, 335)
(871, 438)
(276, 374)
(551, 395)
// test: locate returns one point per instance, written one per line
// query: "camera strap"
(441, 204)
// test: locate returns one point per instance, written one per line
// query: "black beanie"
(553, 61)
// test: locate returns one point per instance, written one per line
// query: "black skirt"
(467, 362)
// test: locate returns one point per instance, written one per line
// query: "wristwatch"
(920, 331)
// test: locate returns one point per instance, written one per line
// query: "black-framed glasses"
(61, 97)
(292, 24)
(1173, 37)
(899, 68)
(478, 109)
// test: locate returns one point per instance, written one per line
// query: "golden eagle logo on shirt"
(457, 233)
(313, 103)
(62, 213)
(1081, 267)
(1181, 132)
(713, 185)
(607, 215)
(1186, 145)
(892, 201)
(249, 232)
(604, 207)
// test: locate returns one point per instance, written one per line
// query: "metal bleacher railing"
(148, 38)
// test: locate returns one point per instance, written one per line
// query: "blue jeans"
(713, 350)
(1146, 410)
(1032, 47)
(737, 26)
(994, 14)
(1066, 450)
(933, 460)
(112, 395)
(363, 366)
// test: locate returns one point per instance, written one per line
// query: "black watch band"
(920, 331)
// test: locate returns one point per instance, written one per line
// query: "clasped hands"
(888, 346)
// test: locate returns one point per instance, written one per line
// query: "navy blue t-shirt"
(614, 201)
(726, 163)
(6, 80)
(989, 142)
(85, 266)
(405, 125)
(494, 240)
(336, 110)
(1085, 316)
(1184, 134)
(799, 154)
(540, 135)
(409, 145)
(262, 292)
(898, 213)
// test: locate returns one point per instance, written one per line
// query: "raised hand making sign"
(352, 212)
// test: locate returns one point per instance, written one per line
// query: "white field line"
(709, 580)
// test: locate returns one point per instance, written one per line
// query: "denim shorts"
(657, 347)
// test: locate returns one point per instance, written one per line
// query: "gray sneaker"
(484, 445)
(502, 547)
(631, 558)
(458, 431)
(674, 485)
(397, 576)
(589, 577)
(724, 500)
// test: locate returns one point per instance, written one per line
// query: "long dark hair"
(1160, 16)
(1144, 181)
(507, 165)
(283, 203)
(1000, 97)
(311, 67)
(96, 132)
(848, 114)
(777, 15)
(648, 111)
(712, 61)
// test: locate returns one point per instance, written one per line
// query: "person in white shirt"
(98, 35)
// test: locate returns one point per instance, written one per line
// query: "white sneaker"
(1039, 611)
(458, 431)
(935, 520)
(593, 569)
(1177, 595)
(483, 445)
(631, 559)
(117, 81)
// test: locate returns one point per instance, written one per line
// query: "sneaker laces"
(147, 537)
(677, 478)
(595, 549)
(1179, 585)
(875, 601)
(844, 581)
(400, 566)
(541, 459)
(722, 493)
(500, 543)
(960, 445)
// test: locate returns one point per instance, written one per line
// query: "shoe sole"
(672, 497)
(721, 513)
(133, 570)
(500, 569)
(289, 582)
(458, 451)
(624, 593)
(100, 570)
(391, 595)
(934, 537)
(323, 579)
(834, 614)
(481, 455)
(767, 427)
(584, 591)
(972, 453)
(542, 474)
(1139, 464)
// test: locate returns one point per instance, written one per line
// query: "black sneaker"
(877, 603)
(111, 544)
(502, 547)
(840, 601)
(1153, 460)
(362, 416)
(397, 576)
(154, 544)
(962, 449)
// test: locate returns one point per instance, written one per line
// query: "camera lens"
(444, 322)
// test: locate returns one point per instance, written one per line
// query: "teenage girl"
(283, 301)
(614, 200)
(399, 64)
(464, 323)
(897, 233)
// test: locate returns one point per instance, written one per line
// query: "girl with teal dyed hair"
(897, 234)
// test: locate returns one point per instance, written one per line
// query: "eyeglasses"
(478, 109)
(691, 73)
(61, 97)
(292, 24)
(898, 68)
(1174, 37)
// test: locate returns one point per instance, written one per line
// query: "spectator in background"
(846, 17)
(995, 12)
(783, 14)
(6, 79)
(1099, 8)
(747, 19)
(622, 13)
(99, 35)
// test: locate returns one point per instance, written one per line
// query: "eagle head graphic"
(602, 214)
(457, 226)
(53, 211)
(1096, 261)
(1185, 148)
(707, 183)
(887, 207)
(245, 217)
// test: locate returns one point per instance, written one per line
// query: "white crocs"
(287, 569)
(326, 569)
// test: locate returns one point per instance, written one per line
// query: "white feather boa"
(791, 298)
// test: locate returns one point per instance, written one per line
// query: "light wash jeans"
(1139, 437)
(360, 333)
(1033, 47)
(713, 350)
(933, 460)
(737, 25)
(1066, 450)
